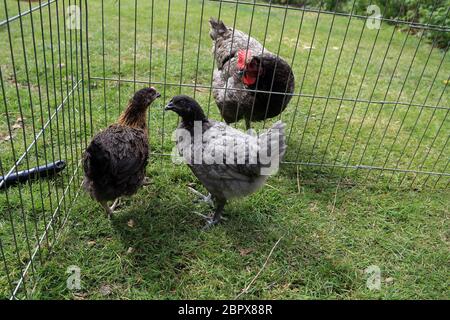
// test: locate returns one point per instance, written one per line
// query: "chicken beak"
(156, 94)
(170, 106)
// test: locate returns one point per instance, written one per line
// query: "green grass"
(329, 232)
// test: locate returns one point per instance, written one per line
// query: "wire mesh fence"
(370, 105)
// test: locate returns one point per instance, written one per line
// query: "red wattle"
(248, 81)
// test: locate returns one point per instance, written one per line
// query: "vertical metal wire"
(229, 65)
(344, 92)
(165, 73)
(103, 63)
(88, 65)
(198, 48)
(83, 78)
(315, 89)
(424, 184)
(259, 66)
(214, 61)
(385, 96)
(55, 103)
(77, 114)
(345, 86)
(150, 66)
(332, 81)
(231, 50)
(77, 72)
(297, 41)
(61, 94)
(135, 44)
(276, 63)
(35, 220)
(72, 84)
(19, 103)
(421, 108)
(44, 216)
(429, 149)
(119, 60)
(8, 206)
(246, 51)
(302, 82)
(79, 77)
(43, 43)
(399, 96)
(435, 136)
(69, 117)
(373, 92)
(445, 170)
(354, 107)
(5, 265)
(183, 45)
(151, 44)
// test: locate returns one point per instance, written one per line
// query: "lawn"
(325, 224)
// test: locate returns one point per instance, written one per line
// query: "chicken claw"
(214, 217)
(146, 181)
(202, 197)
(110, 210)
(211, 219)
(115, 205)
(211, 222)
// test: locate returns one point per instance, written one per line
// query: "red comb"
(243, 55)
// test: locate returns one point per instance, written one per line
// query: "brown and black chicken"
(114, 162)
(243, 64)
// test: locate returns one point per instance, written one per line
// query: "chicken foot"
(216, 215)
(110, 210)
(202, 197)
(146, 182)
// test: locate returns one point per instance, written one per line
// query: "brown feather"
(114, 162)
(134, 117)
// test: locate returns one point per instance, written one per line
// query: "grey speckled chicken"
(114, 162)
(228, 162)
(244, 64)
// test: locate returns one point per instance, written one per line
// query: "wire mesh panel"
(44, 124)
(370, 105)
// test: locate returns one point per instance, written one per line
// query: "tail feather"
(218, 28)
(96, 161)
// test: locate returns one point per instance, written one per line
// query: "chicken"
(114, 162)
(243, 64)
(228, 162)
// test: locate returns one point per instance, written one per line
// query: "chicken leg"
(110, 210)
(202, 197)
(216, 216)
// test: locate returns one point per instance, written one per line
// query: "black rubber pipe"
(47, 170)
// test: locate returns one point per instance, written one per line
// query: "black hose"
(47, 170)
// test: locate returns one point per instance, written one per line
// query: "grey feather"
(226, 177)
